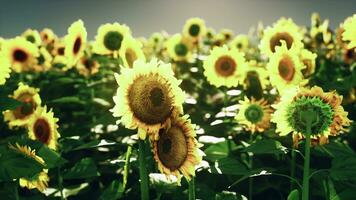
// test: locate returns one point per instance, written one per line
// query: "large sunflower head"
(176, 149)
(308, 59)
(32, 36)
(43, 127)
(5, 68)
(350, 31)
(240, 42)
(108, 40)
(254, 115)
(48, 36)
(21, 53)
(87, 66)
(330, 117)
(284, 30)
(179, 49)
(255, 79)
(285, 68)
(148, 95)
(131, 50)
(194, 29)
(31, 101)
(75, 42)
(224, 67)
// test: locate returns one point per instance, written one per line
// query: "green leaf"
(218, 150)
(266, 146)
(102, 102)
(51, 158)
(329, 188)
(95, 144)
(293, 195)
(114, 191)
(343, 168)
(85, 168)
(68, 100)
(7, 103)
(227, 195)
(229, 165)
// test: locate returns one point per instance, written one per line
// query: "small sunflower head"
(254, 113)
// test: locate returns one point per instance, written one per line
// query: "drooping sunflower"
(254, 79)
(350, 31)
(240, 42)
(331, 119)
(148, 95)
(108, 40)
(88, 66)
(4, 68)
(176, 150)
(131, 50)
(179, 49)
(75, 43)
(285, 68)
(21, 53)
(22, 114)
(283, 30)
(308, 59)
(32, 36)
(40, 180)
(194, 29)
(254, 115)
(48, 36)
(224, 67)
(43, 127)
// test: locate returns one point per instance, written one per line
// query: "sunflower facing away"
(131, 50)
(179, 49)
(176, 150)
(44, 61)
(75, 42)
(331, 117)
(283, 30)
(31, 101)
(148, 95)
(224, 67)
(40, 180)
(255, 79)
(32, 36)
(194, 29)
(21, 53)
(48, 36)
(108, 40)
(285, 68)
(4, 68)
(350, 31)
(87, 66)
(43, 127)
(254, 115)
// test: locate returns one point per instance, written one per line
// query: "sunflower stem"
(308, 116)
(16, 190)
(60, 183)
(143, 170)
(192, 189)
(127, 166)
(225, 104)
(250, 180)
(293, 163)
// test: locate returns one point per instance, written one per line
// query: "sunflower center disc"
(194, 30)
(112, 40)
(30, 38)
(172, 148)
(276, 41)
(130, 56)
(27, 108)
(225, 66)
(77, 45)
(149, 99)
(254, 113)
(286, 69)
(20, 55)
(42, 130)
(88, 64)
(181, 49)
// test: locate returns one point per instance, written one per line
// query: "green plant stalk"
(293, 164)
(225, 104)
(143, 171)
(16, 185)
(250, 179)
(60, 183)
(305, 193)
(127, 166)
(192, 189)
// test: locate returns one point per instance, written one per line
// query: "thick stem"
(16, 191)
(305, 193)
(143, 170)
(292, 171)
(60, 183)
(192, 189)
(250, 180)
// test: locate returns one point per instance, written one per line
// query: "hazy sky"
(147, 16)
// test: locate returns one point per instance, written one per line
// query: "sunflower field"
(200, 114)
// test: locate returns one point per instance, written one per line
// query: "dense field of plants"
(200, 114)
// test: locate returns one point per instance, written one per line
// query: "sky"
(147, 16)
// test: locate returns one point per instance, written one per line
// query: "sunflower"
(308, 59)
(21, 53)
(109, 38)
(331, 118)
(176, 150)
(321, 33)
(254, 79)
(284, 30)
(285, 68)
(75, 41)
(87, 66)
(32, 36)
(31, 101)
(43, 127)
(48, 36)
(40, 180)
(240, 42)
(224, 67)
(178, 48)
(130, 51)
(349, 55)
(44, 61)
(227, 33)
(254, 115)
(148, 95)
(5, 70)
(194, 29)
(350, 31)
